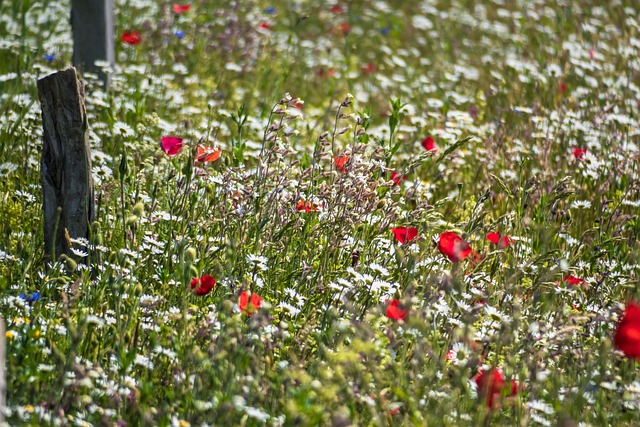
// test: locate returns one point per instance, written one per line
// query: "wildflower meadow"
(343, 213)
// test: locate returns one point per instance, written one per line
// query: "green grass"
(507, 92)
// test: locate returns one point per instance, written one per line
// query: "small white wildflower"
(238, 402)
(120, 128)
(540, 419)
(540, 406)
(144, 361)
(379, 269)
(581, 204)
(257, 413)
(293, 310)
(459, 354)
(93, 319)
(258, 261)
(79, 253)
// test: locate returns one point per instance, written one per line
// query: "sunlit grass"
(338, 300)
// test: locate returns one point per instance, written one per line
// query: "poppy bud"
(69, 264)
(138, 209)
(190, 255)
(132, 220)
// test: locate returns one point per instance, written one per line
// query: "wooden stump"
(65, 167)
(93, 35)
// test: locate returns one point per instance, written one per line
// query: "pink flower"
(181, 8)
(171, 145)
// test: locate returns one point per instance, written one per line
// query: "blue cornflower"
(31, 298)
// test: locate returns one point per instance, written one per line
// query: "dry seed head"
(347, 101)
(287, 98)
(360, 120)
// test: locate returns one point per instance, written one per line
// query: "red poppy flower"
(181, 8)
(405, 234)
(397, 178)
(453, 246)
(368, 68)
(264, 26)
(345, 28)
(206, 154)
(562, 87)
(203, 285)
(249, 305)
(337, 9)
(492, 385)
(579, 153)
(627, 336)
(429, 144)
(501, 241)
(394, 312)
(572, 280)
(171, 145)
(307, 206)
(131, 37)
(341, 162)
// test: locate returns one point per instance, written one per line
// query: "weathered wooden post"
(93, 36)
(65, 167)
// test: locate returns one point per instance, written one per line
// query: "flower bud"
(138, 209)
(190, 255)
